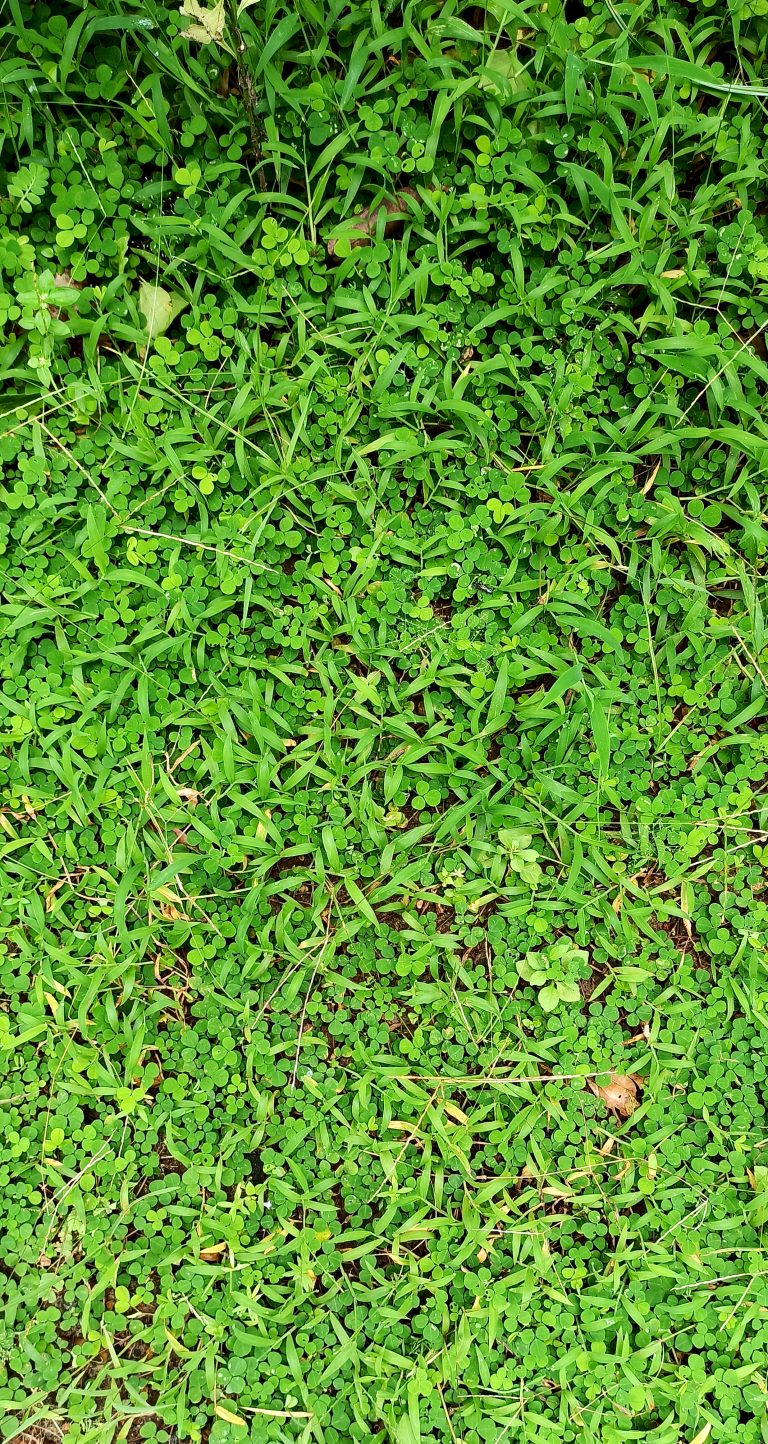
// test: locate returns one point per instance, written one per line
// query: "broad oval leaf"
(158, 307)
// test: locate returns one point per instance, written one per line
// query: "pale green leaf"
(158, 307)
(504, 74)
(569, 992)
(207, 23)
(549, 997)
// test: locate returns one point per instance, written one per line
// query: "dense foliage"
(384, 681)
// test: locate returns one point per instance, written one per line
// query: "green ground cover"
(384, 804)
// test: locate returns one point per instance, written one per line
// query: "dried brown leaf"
(364, 225)
(619, 1094)
(213, 1251)
(229, 1417)
(651, 478)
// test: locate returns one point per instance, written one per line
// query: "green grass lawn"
(384, 762)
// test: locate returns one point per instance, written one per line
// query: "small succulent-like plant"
(555, 972)
(521, 857)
